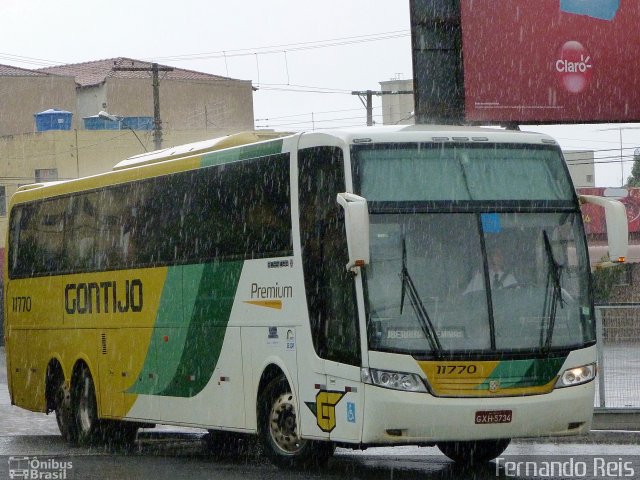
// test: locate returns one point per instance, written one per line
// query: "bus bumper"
(395, 417)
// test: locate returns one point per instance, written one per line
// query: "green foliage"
(634, 179)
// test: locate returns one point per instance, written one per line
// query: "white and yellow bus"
(315, 289)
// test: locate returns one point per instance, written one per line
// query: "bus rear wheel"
(85, 407)
(64, 411)
(281, 441)
(474, 452)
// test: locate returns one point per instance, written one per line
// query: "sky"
(305, 58)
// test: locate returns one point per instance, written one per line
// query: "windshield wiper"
(426, 325)
(555, 274)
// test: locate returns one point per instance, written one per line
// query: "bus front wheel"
(473, 452)
(281, 441)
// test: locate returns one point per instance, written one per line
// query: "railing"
(618, 335)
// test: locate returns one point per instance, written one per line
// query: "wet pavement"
(173, 452)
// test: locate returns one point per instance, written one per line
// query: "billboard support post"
(436, 41)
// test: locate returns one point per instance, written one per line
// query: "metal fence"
(618, 334)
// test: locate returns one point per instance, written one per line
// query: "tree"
(634, 179)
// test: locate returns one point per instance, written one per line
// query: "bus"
(314, 289)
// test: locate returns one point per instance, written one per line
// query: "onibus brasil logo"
(41, 469)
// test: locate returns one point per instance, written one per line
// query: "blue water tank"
(137, 123)
(96, 123)
(53, 119)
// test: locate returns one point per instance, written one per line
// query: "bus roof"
(438, 134)
(126, 169)
(196, 148)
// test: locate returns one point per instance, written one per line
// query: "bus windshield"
(481, 273)
(443, 172)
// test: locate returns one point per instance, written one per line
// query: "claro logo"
(573, 66)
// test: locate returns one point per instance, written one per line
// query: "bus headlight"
(407, 382)
(577, 376)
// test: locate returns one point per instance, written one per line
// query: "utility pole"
(155, 82)
(368, 97)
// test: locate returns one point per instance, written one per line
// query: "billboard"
(551, 61)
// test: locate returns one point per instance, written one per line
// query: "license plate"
(493, 416)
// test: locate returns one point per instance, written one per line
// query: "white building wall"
(581, 167)
(397, 109)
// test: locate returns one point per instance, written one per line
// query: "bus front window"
(474, 248)
(439, 253)
(440, 283)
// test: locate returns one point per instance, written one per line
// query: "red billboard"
(551, 60)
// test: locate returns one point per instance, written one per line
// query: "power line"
(289, 47)
(305, 90)
(305, 114)
(28, 60)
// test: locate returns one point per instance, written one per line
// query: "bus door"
(330, 292)
(331, 300)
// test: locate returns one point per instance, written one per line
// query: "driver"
(498, 277)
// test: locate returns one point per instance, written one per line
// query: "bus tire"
(474, 452)
(63, 410)
(280, 439)
(85, 407)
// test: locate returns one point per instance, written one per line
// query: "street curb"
(613, 437)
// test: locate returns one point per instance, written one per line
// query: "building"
(581, 165)
(189, 100)
(397, 109)
(193, 106)
(24, 93)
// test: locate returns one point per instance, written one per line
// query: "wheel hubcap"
(282, 424)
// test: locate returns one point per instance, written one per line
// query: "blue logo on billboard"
(600, 9)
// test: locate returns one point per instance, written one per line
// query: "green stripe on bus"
(524, 373)
(242, 153)
(167, 338)
(190, 327)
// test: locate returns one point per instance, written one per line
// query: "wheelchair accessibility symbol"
(351, 412)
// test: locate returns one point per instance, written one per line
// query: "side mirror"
(617, 227)
(356, 220)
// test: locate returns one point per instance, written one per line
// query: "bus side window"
(38, 237)
(329, 287)
(22, 243)
(114, 218)
(82, 231)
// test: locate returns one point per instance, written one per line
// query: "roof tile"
(95, 72)
(10, 71)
